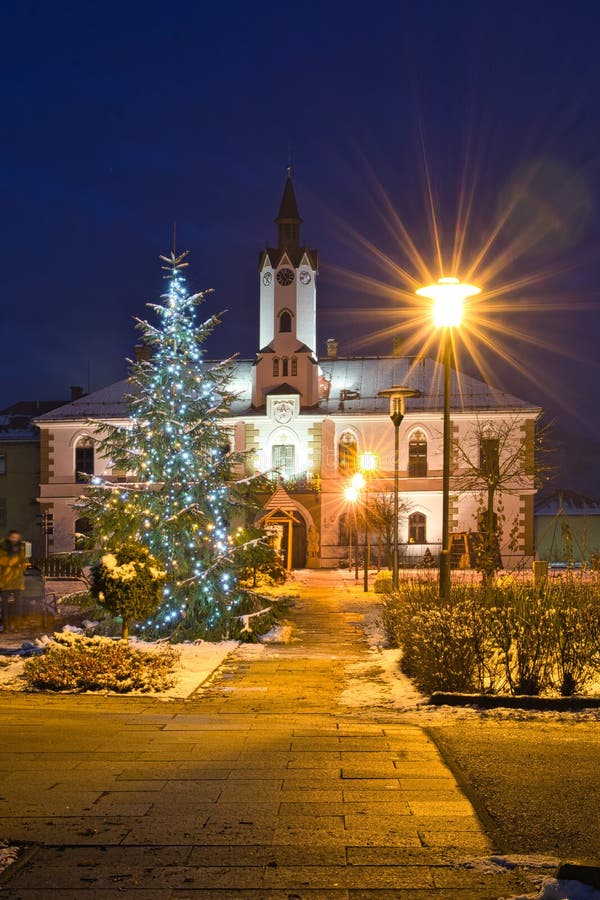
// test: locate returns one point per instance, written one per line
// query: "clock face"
(267, 278)
(285, 277)
(305, 277)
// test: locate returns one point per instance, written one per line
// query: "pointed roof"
(280, 500)
(288, 208)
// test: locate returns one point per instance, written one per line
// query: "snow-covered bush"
(383, 582)
(129, 583)
(75, 663)
(509, 637)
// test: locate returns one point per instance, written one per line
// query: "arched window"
(417, 524)
(84, 459)
(417, 455)
(283, 460)
(294, 366)
(276, 367)
(285, 321)
(347, 452)
(284, 366)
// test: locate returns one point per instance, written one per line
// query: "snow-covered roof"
(348, 386)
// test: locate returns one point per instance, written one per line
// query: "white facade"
(302, 416)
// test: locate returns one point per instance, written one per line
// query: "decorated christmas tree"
(177, 492)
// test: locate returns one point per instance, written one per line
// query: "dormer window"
(285, 322)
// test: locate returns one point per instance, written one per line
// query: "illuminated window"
(294, 366)
(84, 459)
(489, 456)
(347, 452)
(417, 523)
(283, 460)
(285, 321)
(417, 455)
(276, 367)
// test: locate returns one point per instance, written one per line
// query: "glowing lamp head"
(358, 481)
(351, 494)
(368, 461)
(448, 295)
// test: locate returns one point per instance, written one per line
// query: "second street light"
(448, 295)
(397, 395)
(368, 464)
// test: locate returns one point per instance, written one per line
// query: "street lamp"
(368, 464)
(397, 395)
(448, 295)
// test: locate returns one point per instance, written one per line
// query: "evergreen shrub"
(383, 582)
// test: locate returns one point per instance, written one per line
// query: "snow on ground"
(8, 855)
(197, 661)
(279, 634)
(538, 870)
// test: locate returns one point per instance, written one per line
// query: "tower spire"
(288, 220)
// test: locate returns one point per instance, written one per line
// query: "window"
(276, 367)
(489, 457)
(417, 528)
(294, 366)
(2, 463)
(285, 321)
(347, 453)
(417, 455)
(283, 460)
(84, 459)
(284, 367)
(2, 512)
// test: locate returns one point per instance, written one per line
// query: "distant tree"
(381, 518)
(498, 457)
(256, 556)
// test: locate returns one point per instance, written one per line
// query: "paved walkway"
(261, 786)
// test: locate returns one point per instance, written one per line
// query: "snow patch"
(279, 634)
(552, 889)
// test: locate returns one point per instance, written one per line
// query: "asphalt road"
(537, 783)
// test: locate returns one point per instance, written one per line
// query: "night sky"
(120, 119)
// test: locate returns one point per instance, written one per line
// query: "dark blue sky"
(119, 118)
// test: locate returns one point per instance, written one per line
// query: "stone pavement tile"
(377, 835)
(396, 856)
(92, 894)
(349, 877)
(425, 894)
(433, 768)
(450, 878)
(365, 770)
(311, 795)
(48, 804)
(120, 805)
(459, 841)
(370, 784)
(258, 774)
(67, 830)
(244, 791)
(290, 810)
(426, 784)
(327, 830)
(262, 894)
(437, 807)
(188, 831)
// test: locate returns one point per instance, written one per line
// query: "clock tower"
(288, 339)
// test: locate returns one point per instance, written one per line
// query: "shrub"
(383, 582)
(128, 582)
(256, 559)
(510, 636)
(76, 663)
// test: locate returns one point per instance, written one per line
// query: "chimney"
(332, 348)
(397, 346)
(143, 353)
(76, 392)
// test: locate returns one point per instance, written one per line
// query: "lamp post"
(448, 295)
(397, 396)
(368, 464)
(351, 497)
